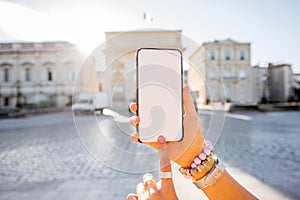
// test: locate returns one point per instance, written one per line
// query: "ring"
(147, 183)
(139, 140)
(165, 175)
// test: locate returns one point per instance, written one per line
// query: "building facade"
(280, 82)
(119, 77)
(296, 86)
(221, 71)
(260, 84)
(37, 73)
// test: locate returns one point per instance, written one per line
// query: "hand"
(151, 190)
(184, 151)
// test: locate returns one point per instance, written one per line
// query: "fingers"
(188, 101)
(132, 197)
(150, 184)
(133, 107)
(146, 190)
(135, 137)
(164, 160)
(134, 120)
(147, 178)
(140, 189)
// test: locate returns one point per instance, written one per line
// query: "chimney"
(270, 65)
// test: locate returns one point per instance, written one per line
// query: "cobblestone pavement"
(42, 157)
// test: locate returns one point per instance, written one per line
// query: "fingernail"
(161, 139)
(131, 198)
(133, 107)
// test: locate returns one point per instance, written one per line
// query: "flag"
(148, 17)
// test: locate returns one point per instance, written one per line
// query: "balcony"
(230, 78)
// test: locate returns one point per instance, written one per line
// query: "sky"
(271, 26)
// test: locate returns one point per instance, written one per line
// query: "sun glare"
(83, 27)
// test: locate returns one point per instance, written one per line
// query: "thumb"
(188, 101)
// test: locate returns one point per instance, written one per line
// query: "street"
(56, 156)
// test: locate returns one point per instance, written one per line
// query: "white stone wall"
(260, 83)
(60, 57)
(229, 79)
(120, 56)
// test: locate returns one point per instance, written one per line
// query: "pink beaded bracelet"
(208, 148)
(201, 161)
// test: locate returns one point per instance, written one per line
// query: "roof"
(226, 41)
(143, 31)
(272, 66)
(259, 67)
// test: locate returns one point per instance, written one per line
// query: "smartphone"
(159, 94)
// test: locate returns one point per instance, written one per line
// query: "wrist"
(206, 169)
(200, 164)
(212, 177)
(186, 158)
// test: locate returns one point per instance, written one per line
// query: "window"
(212, 55)
(118, 86)
(27, 45)
(49, 74)
(243, 93)
(27, 74)
(211, 73)
(48, 45)
(227, 55)
(242, 73)
(6, 101)
(212, 92)
(70, 98)
(258, 95)
(227, 73)
(71, 76)
(228, 92)
(242, 55)
(6, 46)
(6, 75)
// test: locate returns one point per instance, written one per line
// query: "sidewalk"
(187, 191)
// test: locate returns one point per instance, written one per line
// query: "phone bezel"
(181, 83)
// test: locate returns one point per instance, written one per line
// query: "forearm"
(210, 176)
(227, 188)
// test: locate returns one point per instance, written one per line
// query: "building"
(260, 84)
(37, 74)
(221, 71)
(118, 76)
(296, 79)
(280, 82)
(296, 86)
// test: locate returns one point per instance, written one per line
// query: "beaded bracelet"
(200, 162)
(208, 148)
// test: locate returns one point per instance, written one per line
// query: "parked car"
(90, 103)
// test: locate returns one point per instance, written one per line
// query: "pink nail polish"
(161, 139)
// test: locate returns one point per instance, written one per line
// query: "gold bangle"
(201, 170)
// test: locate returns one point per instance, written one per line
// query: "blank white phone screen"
(159, 94)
